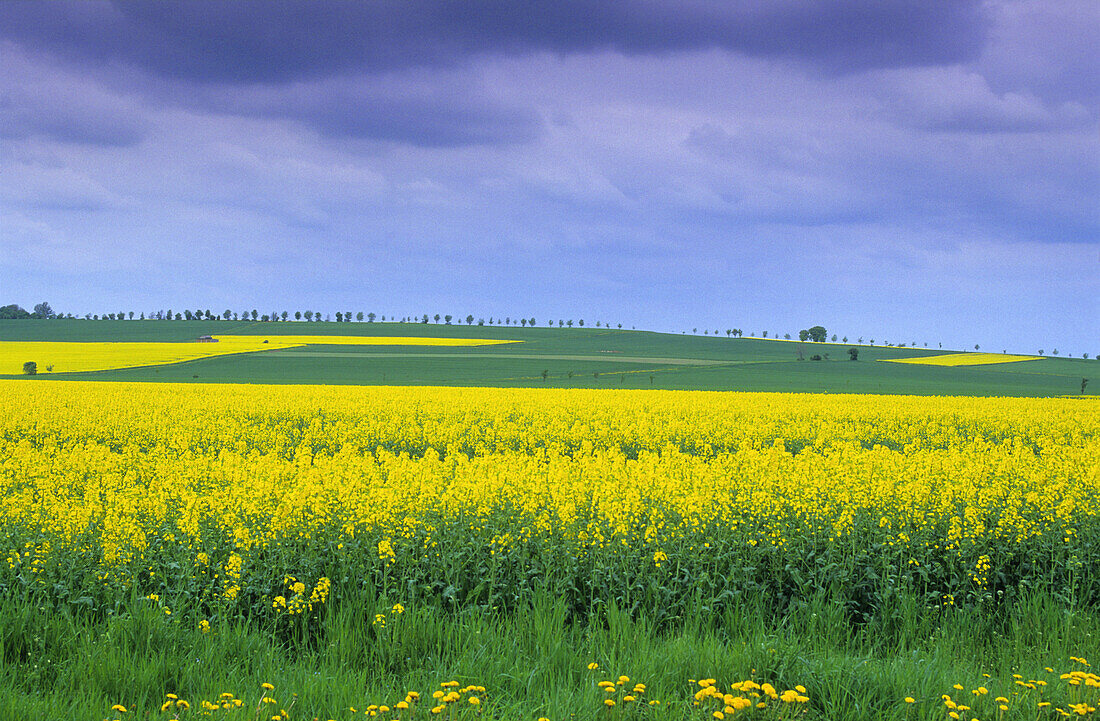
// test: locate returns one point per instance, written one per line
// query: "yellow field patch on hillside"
(58, 357)
(74, 357)
(367, 340)
(964, 359)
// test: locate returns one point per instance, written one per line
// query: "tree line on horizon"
(43, 311)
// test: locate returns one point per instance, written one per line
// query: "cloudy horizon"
(896, 169)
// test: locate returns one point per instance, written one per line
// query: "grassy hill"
(569, 357)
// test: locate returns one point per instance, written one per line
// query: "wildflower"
(910, 699)
(118, 708)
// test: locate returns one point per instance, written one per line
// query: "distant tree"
(284, 315)
(179, 316)
(786, 336)
(359, 316)
(131, 314)
(872, 341)
(530, 321)
(254, 314)
(424, 318)
(265, 317)
(339, 316)
(977, 347)
(696, 330)
(834, 338)
(371, 317)
(853, 354)
(620, 326)
(569, 322)
(481, 321)
(1055, 351)
(309, 315)
(297, 315)
(803, 335)
(1085, 356)
(43, 310)
(581, 322)
(142, 316)
(436, 317)
(523, 322)
(815, 357)
(544, 374)
(1084, 382)
(817, 334)
(762, 335)
(469, 320)
(187, 314)
(447, 319)
(30, 368)
(1040, 351)
(560, 322)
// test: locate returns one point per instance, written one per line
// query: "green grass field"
(571, 358)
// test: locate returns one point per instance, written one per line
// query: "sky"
(903, 170)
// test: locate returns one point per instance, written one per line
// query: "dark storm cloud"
(279, 40)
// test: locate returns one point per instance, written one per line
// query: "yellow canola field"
(70, 357)
(964, 359)
(123, 475)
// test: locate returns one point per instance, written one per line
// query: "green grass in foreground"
(534, 663)
(571, 358)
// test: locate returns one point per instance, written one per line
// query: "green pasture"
(561, 358)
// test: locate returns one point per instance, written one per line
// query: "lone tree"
(1084, 382)
(469, 320)
(43, 310)
(30, 368)
(817, 334)
(853, 354)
